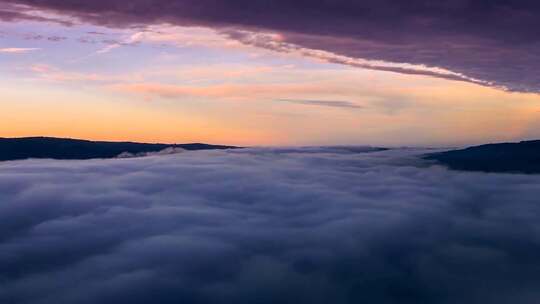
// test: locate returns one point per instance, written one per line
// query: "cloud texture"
(318, 225)
(484, 41)
(17, 50)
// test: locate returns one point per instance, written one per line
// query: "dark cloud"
(325, 103)
(493, 42)
(42, 37)
(56, 38)
(96, 33)
(16, 16)
(332, 225)
(13, 13)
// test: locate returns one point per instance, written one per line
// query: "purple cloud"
(10, 12)
(324, 103)
(492, 42)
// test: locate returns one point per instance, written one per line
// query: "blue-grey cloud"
(332, 225)
(325, 103)
(492, 42)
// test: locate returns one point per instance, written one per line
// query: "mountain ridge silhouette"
(69, 148)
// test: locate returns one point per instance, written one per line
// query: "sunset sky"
(270, 72)
(339, 151)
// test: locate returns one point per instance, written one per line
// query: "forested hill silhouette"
(522, 157)
(64, 148)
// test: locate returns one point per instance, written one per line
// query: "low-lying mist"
(313, 225)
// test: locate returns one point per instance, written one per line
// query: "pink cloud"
(17, 50)
(247, 92)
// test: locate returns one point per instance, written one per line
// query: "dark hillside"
(61, 148)
(523, 157)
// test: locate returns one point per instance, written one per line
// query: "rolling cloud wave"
(299, 225)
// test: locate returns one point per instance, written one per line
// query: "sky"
(271, 73)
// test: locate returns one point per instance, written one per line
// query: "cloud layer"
(325, 103)
(490, 42)
(315, 225)
(17, 50)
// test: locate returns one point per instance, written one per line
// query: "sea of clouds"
(299, 225)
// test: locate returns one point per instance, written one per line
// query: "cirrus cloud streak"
(17, 50)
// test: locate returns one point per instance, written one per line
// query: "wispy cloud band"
(18, 50)
(492, 43)
(324, 103)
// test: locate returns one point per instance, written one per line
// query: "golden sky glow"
(194, 85)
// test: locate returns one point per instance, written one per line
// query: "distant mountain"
(63, 148)
(523, 157)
